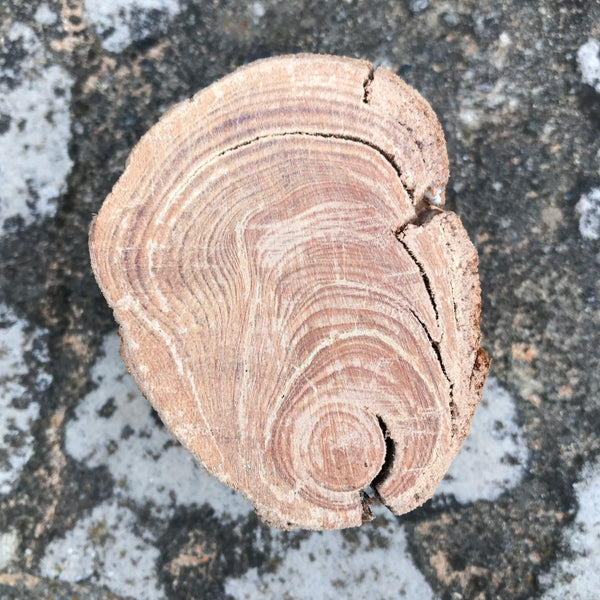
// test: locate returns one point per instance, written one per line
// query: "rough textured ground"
(97, 502)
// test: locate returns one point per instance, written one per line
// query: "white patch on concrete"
(327, 566)
(588, 208)
(121, 22)
(384, 62)
(501, 52)
(485, 104)
(258, 10)
(103, 549)
(9, 544)
(34, 146)
(17, 415)
(44, 15)
(493, 457)
(588, 58)
(505, 40)
(578, 577)
(417, 6)
(145, 461)
(469, 117)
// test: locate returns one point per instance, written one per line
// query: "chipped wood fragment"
(292, 299)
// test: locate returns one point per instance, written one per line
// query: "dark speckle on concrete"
(81, 82)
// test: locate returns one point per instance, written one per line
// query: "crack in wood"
(390, 454)
(336, 136)
(422, 271)
(367, 85)
(434, 344)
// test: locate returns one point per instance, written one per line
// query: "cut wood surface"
(292, 299)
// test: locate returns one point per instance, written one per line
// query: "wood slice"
(291, 298)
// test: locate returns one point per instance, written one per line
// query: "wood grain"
(292, 299)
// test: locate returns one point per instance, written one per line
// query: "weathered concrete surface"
(97, 502)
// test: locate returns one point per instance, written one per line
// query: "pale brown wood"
(292, 299)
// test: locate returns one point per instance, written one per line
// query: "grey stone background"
(97, 502)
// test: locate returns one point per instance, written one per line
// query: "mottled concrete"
(97, 502)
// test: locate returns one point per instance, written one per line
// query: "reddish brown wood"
(291, 297)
